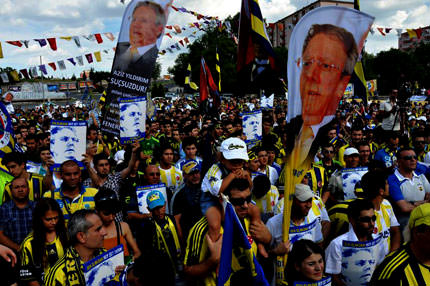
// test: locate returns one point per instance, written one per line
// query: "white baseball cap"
(303, 192)
(350, 151)
(234, 148)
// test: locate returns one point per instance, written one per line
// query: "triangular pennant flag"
(24, 73)
(412, 33)
(33, 72)
(174, 8)
(14, 75)
(66, 38)
(89, 58)
(98, 38)
(4, 77)
(170, 50)
(98, 56)
(186, 40)
(77, 41)
(25, 42)
(42, 68)
(110, 36)
(61, 65)
(90, 37)
(399, 32)
(53, 66)
(42, 42)
(381, 30)
(80, 60)
(168, 35)
(15, 43)
(1, 51)
(387, 30)
(52, 43)
(197, 25)
(372, 31)
(181, 42)
(72, 60)
(419, 32)
(105, 51)
(177, 46)
(169, 27)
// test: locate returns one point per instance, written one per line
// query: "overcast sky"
(30, 19)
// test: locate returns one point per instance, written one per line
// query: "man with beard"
(362, 219)
(186, 202)
(16, 215)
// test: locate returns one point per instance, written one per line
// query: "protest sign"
(139, 39)
(7, 137)
(98, 271)
(68, 141)
(267, 102)
(324, 47)
(142, 193)
(350, 177)
(349, 90)
(33, 167)
(132, 119)
(307, 231)
(359, 259)
(252, 123)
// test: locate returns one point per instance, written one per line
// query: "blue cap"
(190, 166)
(155, 199)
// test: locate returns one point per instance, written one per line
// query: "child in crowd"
(219, 176)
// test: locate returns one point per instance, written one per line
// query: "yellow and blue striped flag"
(233, 230)
(218, 69)
(188, 80)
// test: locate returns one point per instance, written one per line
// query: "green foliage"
(157, 90)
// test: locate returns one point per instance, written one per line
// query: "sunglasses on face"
(367, 219)
(410, 157)
(240, 201)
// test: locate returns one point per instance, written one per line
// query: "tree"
(156, 71)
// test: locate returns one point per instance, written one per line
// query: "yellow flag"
(1, 52)
(66, 38)
(412, 33)
(98, 56)
(14, 75)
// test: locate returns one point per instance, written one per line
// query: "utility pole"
(43, 88)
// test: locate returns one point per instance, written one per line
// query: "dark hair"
(358, 205)
(302, 249)
(31, 137)
(406, 148)
(372, 182)
(39, 231)
(106, 199)
(236, 184)
(99, 157)
(68, 163)
(188, 141)
(260, 186)
(363, 143)
(14, 157)
(90, 128)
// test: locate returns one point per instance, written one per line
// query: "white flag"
(80, 60)
(61, 65)
(4, 77)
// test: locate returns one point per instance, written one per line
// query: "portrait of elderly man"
(138, 55)
(64, 144)
(132, 119)
(252, 126)
(328, 58)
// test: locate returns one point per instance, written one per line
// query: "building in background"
(406, 42)
(280, 31)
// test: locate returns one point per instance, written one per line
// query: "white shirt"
(414, 189)
(270, 172)
(388, 122)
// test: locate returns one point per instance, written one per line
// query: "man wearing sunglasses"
(329, 164)
(361, 216)
(407, 189)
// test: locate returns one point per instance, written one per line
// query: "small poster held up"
(132, 119)
(252, 123)
(350, 177)
(142, 193)
(267, 102)
(359, 259)
(68, 141)
(100, 270)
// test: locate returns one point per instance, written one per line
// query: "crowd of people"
(53, 221)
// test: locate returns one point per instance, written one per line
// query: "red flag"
(53, 66)
(174, 8)
(15, 43)
(207, 85)
(186, 40)
(169, 27)
(98, 38)
(168, 35)
(419, 32)
(24, 72)
(381, 30)
(52, 43)
(180, 42)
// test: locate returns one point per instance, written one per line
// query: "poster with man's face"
(139, 39)
(142, 193)
(100, 270)
(252, 123)
(132, 119)
(350, 177)
(359, 260)
(68, 141)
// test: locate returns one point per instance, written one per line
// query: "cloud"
(29, 19)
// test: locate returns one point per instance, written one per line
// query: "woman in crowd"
(305, 264)
(107, 205)
(45, 244)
